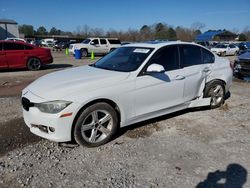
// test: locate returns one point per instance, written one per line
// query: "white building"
(8, 29)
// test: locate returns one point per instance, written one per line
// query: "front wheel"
(216, 91)
(96, 125)
(34, 64)
(223, 54)
(84, 52)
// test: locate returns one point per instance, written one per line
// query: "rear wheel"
(216, 91)
(96, 125)
(34, 64)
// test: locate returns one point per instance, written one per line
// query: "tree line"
(159, 31)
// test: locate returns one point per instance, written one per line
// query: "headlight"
(52, 107)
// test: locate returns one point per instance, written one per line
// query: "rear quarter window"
(28, 47)
(13, 46)
(207, 56)
(190, 55)
(114, 41)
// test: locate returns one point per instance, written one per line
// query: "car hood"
(245, 56)
(82, 79)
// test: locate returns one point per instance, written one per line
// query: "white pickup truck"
(96, 45)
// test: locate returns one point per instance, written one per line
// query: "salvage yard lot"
(176, 150)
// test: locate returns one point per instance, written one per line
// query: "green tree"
(242, 37)
(26, 29)
(161, 31)
(53, 31)
(171, 34)
(41, 31)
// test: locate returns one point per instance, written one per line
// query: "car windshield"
(124, 59)
(86, 41)
(220, 46)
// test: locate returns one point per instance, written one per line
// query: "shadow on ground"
(235, 176)
(15, 134)
(45, 67)
(148, 127)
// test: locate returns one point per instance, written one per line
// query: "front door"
(158, 91)
(95, 47)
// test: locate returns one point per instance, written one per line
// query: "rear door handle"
(179, 77)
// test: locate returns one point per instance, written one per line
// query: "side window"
(95, 41)
(190, 55)
(167, 57)
(28, 47)
(114, 41)
(103, 41)
(208, 57)
(13, 46)
(231, 46)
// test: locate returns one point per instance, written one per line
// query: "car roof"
(159, 44)
(16, 42)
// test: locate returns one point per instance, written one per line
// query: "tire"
(84, 52)
(111, 50)
(34, 64)
(215, 90)
(96, 125)
(223, 54)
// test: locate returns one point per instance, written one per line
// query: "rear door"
(3, 60)
(232, 49)
(195, 70)
(104, 46)
(15, 54)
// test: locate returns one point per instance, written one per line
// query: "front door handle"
(206, 70)
(179, 77)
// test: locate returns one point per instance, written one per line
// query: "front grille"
(26, 103)
(245, 64)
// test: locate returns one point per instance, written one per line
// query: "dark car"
(15, 54)
(242, 64)
(244, 46)
(60, 45)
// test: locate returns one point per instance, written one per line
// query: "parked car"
(96, 45)
(244, 46)
(15, 54)
(225, 49)
(205, 44)
(242, 64)
(60, 45)
(16, 39)
(133, 83)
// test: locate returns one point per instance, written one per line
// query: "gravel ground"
(192, 148)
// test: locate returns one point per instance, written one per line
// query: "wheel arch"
(84, 48)
(211, 81)
(104, 100)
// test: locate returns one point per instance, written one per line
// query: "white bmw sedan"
(133, 83)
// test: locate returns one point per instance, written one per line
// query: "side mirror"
(155, 68)
(92, 43)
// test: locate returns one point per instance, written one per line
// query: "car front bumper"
(50, 126)
(242, 68)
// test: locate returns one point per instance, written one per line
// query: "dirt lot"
(191, 148)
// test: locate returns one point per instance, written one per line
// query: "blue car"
(242, 64)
